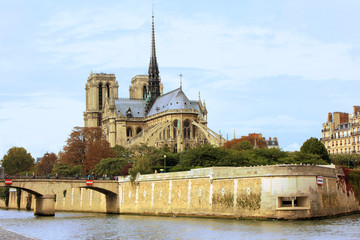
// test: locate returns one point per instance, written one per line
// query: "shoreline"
(8, 234)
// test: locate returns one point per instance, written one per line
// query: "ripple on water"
(102, 226)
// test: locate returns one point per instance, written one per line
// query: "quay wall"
(277, 192)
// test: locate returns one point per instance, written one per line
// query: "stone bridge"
(45, 191)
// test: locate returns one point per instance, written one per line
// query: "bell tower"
(99, 88)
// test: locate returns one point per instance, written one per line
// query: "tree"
(202, 156)
(86, 147)
(112, 167)
(256, 142)
(17, 160)
(46, 164)
(314, 146)
(66, 170)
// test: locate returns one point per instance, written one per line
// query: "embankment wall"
(280, 192)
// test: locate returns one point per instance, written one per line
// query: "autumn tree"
(86, 147)
(17, 160)
(46, 164)
(238, 143)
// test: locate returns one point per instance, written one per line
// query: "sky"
(270, 67)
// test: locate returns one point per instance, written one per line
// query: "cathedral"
(148, 116)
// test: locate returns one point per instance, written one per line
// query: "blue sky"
(270, 67)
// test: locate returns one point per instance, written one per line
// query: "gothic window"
(108, 90)
(194, 131)
(129, 132)
(175, 128)
(144, 92)
(160, 136)
(164, 134)
(175, 148)
(187, 129)
(100, 96)
(138, 130)
(168, 132)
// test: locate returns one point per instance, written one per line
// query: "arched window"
(138, 130)
(144, 92)
(100, 96)
(160, 136)
(194, 131)
(108, 90)
(187, 128)
(175, 148)
(168, 132)
(129, 132)
(175, 128)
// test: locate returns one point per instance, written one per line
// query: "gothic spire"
(154, 79)
(154, 82)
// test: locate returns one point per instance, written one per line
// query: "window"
(129, 132)
(138, 130)
(100, 96)
(175, 128)
(108, 90)
(144, 92)
(187, 128)
(299, 202)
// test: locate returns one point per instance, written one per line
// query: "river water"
(101, 226)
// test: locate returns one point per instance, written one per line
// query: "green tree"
(66, 170)
(202, 156)
(243, 145)
(121, 151)
(17, 160)
(112, 167)
(314, 146)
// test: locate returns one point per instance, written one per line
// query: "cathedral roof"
(173, 100)
(135, 105)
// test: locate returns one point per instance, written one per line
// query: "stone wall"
(280, 192)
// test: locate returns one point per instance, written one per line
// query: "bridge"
(45, 191)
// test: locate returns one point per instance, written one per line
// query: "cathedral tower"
(100, 87)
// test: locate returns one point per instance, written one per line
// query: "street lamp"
(164, 163)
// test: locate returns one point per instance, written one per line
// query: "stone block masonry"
(263, 192)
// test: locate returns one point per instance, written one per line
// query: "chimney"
(330, 117)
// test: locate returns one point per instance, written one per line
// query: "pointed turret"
(154, 79)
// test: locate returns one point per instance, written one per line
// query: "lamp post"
(164, 163)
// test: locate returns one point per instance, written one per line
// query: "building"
(341, 132)
(270, 143)
(148, 115)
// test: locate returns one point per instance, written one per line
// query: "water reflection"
(102, 226)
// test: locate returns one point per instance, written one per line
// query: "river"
(72, 226)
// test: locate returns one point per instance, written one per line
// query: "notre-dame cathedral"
(148, 116)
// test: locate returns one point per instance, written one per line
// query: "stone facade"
(148, 115)
(341, 132)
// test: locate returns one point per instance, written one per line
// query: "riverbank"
(6, 234)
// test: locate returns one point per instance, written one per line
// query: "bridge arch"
(46, 190)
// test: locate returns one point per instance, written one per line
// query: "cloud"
(234, 52)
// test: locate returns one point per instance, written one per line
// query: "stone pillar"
(112, 203)
(45, 205)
